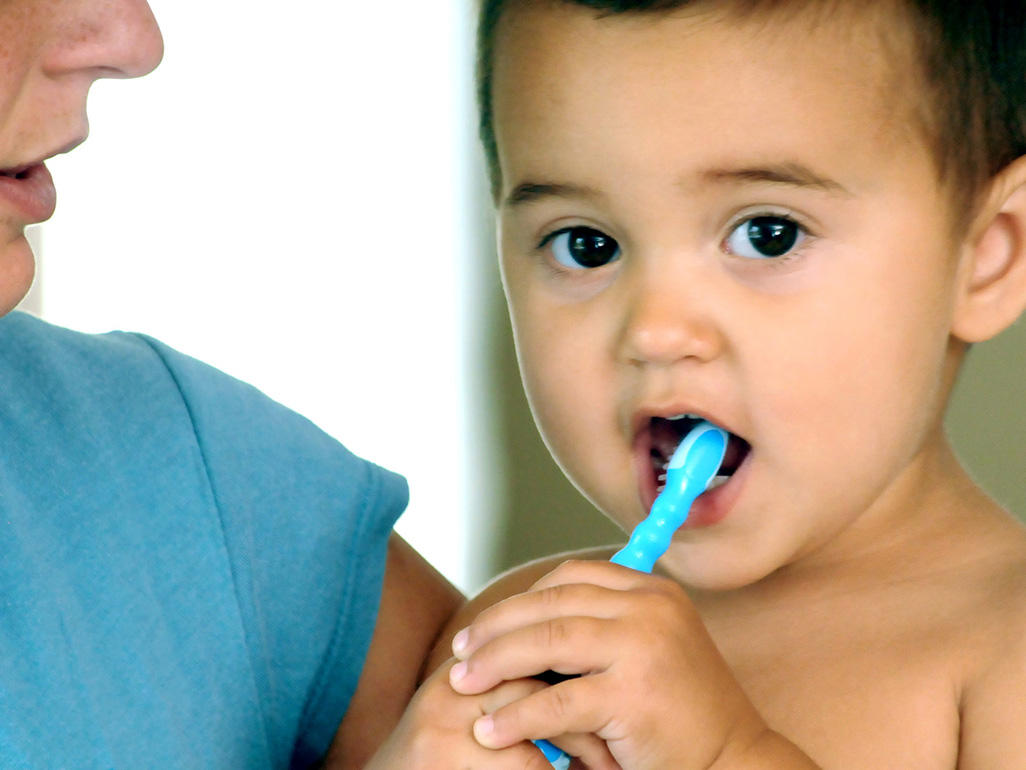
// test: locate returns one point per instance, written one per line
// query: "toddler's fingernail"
(460, 642)
(483, 729)
(457, 672)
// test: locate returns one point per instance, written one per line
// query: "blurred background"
(297, 197)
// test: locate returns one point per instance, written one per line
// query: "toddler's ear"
(992, 290)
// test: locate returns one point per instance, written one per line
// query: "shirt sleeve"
(305, 525)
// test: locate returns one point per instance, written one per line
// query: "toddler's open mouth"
(663, 436)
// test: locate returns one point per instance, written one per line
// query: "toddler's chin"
(715, 568)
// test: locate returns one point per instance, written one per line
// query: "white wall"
(287, 198)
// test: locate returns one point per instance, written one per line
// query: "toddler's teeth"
(718, 481)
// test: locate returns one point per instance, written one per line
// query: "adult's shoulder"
(41, 359)
(152, 453)
(96, 408)
(94, 383)
(85, 394)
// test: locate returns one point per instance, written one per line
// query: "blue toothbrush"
(692, 468)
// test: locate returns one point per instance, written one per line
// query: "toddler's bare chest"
(854, 692)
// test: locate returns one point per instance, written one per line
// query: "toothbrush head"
(696, 460)
(692, 467)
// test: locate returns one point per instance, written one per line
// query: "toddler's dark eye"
(765, 237)
(583, 247)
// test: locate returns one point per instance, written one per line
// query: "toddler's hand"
(435, 733)
(652, 684)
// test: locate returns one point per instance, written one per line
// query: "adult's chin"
(17, 269)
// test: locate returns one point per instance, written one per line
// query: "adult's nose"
(104, 39)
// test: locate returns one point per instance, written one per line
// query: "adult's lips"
(17, 173)
(28, 192)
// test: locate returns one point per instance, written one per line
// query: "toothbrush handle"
(647, 543)
(556, 756)
(700, 456)
(652, 537)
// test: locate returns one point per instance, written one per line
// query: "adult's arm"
(416, 603)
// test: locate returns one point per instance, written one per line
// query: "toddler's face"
(733, 220)
(51, 51)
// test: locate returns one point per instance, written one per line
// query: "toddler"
(791, 219)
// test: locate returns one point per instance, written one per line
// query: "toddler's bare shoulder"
(993, 709)
(513, 581)
(998, 575)
(522, 577)
(987, 581)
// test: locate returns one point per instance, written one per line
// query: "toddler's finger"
(507, 692)
(599, 573)
(589, 749)
(566, 645)
(436, 731)
(536, 606)
(574, 708)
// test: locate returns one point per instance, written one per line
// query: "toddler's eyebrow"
(528, 192)
(792, 174)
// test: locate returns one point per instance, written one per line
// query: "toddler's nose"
(667, 321)
(105, 39)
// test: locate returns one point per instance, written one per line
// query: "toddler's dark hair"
(972, 56)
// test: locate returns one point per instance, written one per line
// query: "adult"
(191, 575)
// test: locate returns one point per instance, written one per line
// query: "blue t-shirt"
(189, 572)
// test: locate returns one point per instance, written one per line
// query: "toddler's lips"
(714, 505)
(28, 192)
(656, 442)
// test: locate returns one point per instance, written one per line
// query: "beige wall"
(987, 419)
(545, 514)
(542, 512)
